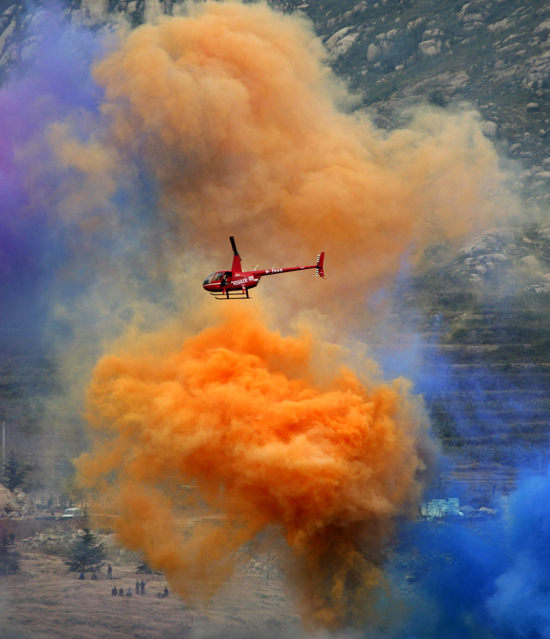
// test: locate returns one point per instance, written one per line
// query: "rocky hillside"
(494, 54)
(487, 333)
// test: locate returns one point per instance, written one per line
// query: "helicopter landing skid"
(232, 295)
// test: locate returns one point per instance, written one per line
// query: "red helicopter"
(234, 284)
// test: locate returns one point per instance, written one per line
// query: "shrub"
(9, 557)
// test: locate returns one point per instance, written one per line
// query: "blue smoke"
(471, 578)
(520, 606)
(482, 575)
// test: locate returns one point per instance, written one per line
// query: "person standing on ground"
(109, 571)
(142, 586)
(137, 586)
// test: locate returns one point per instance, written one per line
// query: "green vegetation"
(9, 557)
(144, 569)
(86, 554)
(15, 472)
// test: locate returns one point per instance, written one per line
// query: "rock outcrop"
(15, 504)
(494, 54)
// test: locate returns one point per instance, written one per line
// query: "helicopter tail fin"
(236, 266)
(320, 271)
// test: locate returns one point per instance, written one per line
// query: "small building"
(441, 508)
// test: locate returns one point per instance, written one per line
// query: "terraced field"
(486, 383)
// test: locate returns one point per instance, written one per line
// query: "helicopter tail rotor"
(320, 271)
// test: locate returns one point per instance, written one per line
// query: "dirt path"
(46, 602)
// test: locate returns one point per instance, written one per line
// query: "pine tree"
(86, 554)
(9, 557)
(14, 472)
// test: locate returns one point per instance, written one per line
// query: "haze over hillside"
(492, 56)
(495, 55)
(288, 441)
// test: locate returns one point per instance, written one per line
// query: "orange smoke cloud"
(234, 112)
(242, 412)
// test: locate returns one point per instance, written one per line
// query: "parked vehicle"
(71, 513)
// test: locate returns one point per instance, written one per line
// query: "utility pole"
(53, 455)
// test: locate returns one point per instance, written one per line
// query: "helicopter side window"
(209, 279)
(217, 276)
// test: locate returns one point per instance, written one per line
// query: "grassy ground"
(47, 602)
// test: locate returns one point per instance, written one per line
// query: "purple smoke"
(50, 83)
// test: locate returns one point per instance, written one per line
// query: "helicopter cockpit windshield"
(213, 278)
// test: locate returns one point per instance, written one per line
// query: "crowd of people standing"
(140, 589)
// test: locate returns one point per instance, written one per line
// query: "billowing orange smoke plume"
(243, 412)
(233, 110)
